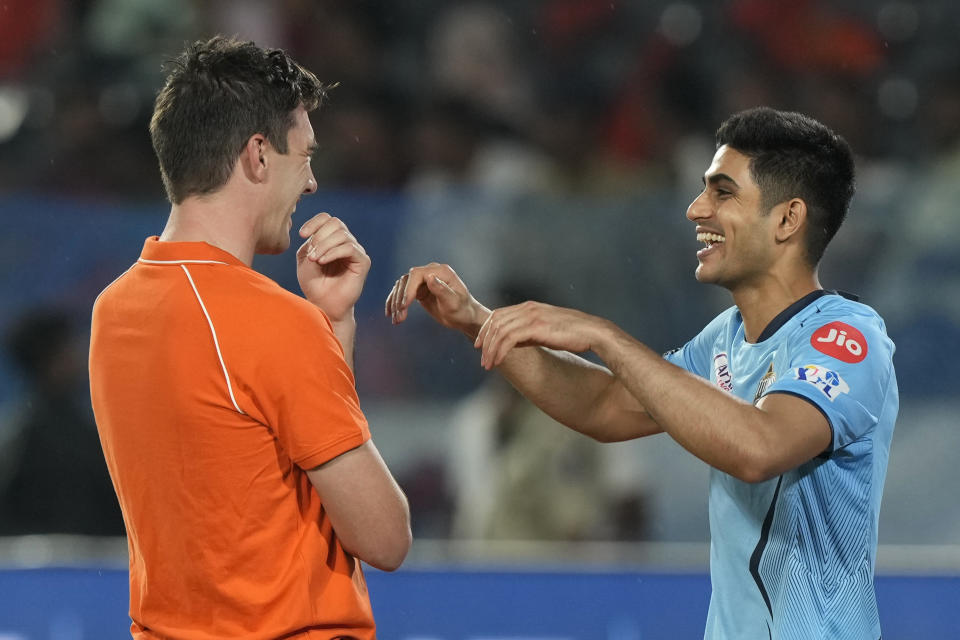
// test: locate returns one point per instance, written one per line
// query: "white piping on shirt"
(213, 331)
(145, 261)
(108, 286)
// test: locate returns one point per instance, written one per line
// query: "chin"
(701, 275)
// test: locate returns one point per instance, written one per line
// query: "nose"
(311, 185)
(699, 208)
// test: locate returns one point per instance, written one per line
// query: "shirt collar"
(784, 316)
(155, 251)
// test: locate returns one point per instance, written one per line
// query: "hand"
(442, 293)
(331, 266)
(535, 323)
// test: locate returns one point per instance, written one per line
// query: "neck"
(759, 304)
(214, 220)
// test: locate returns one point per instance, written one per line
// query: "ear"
(253, 158)
(793, 215)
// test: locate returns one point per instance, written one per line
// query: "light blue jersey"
(792, 558)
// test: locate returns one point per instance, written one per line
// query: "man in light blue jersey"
(790, 396)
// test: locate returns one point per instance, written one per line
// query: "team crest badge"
(768, 379)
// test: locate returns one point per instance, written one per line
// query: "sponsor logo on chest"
(721, 372)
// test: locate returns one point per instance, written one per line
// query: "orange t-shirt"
(214, 389)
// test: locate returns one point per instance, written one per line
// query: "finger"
(416, 287)
(330, 233)
(394, 305)
(490, 339)
(484, 329)
(322, 244)
(395, 302)
(347, 250)
(438, 286)
(303, 250)
(400, 308)
(411, 284)
(508, 341)
(388, 303)
(503, 336)
(310, 226)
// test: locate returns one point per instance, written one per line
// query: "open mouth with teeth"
(711, 240)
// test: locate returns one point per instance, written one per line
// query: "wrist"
(479, 315)
(605, 340)
(346, 319)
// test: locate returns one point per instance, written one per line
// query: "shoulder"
(845, 318)
(694, 355)
(111, 291)
(256, 305)
(844, 330)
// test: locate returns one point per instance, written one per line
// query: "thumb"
(302, 251)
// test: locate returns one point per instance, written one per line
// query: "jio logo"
(841, 341)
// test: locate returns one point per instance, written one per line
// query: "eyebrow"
(720, 177)
(312, 148)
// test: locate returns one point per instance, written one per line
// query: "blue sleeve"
(843, 367)
(696, 356)
(685, 357)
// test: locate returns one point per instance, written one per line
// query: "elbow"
(754, 469)
(753, 475)
(605, 437)
(390, 553)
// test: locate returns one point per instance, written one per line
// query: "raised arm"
(575, 392)
(367, 509)
(331, 268)
(752, 443)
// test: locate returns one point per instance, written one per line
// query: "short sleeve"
(685, 357)
(842, 366)
(696, 355)
(304, 389)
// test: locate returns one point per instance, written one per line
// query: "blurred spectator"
(26, 26)
(515, 474)
(359, 141)
(474, 54)
(57, 480)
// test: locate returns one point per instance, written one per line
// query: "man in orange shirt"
(226, 406)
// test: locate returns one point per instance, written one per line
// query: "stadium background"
(546, 149)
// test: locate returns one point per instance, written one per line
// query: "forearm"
(346, 330)
(575, 392)
(720, 429)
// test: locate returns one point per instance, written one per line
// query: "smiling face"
(290, 177)
(738, 233)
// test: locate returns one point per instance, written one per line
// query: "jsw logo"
(840, 341)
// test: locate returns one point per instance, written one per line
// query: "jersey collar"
(784, 316)
(157, 252)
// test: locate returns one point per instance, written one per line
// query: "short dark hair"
(219, 93)
(794, 156)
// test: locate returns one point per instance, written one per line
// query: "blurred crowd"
(549, 146)
(569, 96)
